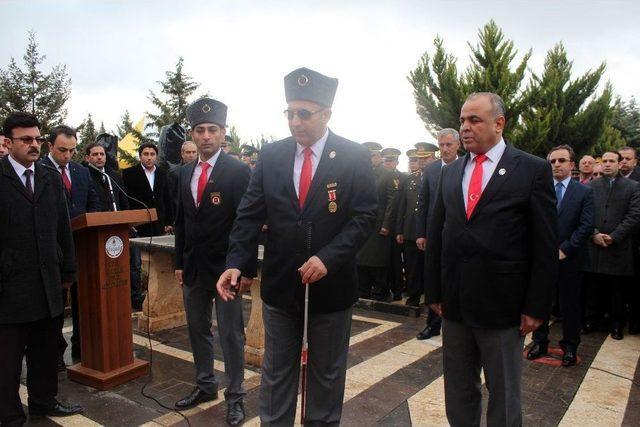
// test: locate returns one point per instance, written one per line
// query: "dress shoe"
(617, 334)
(537, 351)
(587, 328)
(427, 333)
(235, 413)
(197, 396)
(397, 296)
(57, 410)
(412, 303)
(569, 358)
(634, 329)
(61, 365)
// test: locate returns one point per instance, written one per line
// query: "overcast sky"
(239, 51)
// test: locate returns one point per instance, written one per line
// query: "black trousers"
(605, 299)
(414, 261)
(397, 269)
(372, 282)
(38, 341)
(633, 291)
(75, 320)
(569, 289)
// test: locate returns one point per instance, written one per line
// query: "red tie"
(202, 181)
(65, 179)
(305, 177)
(475, 186)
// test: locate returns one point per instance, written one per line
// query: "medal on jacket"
(216, 199)
(332, 196)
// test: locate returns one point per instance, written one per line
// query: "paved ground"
(392, 380)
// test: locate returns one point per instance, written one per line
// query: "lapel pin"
(332, 155)
(502, 171)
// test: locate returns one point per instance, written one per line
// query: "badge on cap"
(216, 199)
(332, 155)
(333, 207)
(303, 80)
(502, 171)
(206, 108)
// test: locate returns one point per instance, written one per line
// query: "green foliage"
(31, 90)
(235, 139)
(86, 134)
(626, 119)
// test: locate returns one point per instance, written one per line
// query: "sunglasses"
(301, 113)
(561, 161)
(28, 140)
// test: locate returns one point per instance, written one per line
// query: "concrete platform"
(392, 380)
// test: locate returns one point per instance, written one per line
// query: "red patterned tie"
(475, 186)
(202, 181)
(305, 177)
(65, 178)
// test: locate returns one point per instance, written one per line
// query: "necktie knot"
(481, 158)
(307, 153)
(204, 166)
(28, 173)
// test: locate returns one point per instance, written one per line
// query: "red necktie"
(305, 177)
(65, 178)
(475, 186)
(202, 181)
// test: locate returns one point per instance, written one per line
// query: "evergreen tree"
(235, 139)
(102, 130)
(626, 119)
(124, 128)
(31, 90)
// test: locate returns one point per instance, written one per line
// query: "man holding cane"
(320, 183)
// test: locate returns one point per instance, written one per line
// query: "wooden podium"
(104, 298)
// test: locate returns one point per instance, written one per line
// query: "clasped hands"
(602, 239)
(231, 282)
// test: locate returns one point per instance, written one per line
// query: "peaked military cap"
(207, 110)
(425, 149)
(304, 84)
(413, 153)
(374, 147)
(390, 153)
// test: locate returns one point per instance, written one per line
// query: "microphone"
(104, 174)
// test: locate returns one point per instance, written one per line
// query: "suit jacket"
(335, 234)
(83, 197)
(36, 248)
(503, 261)
(575, 224)
(635, 174)
(202, 233)
(137, 185)
(407, 207)
(102, 189)
(173, 178)
(427, 197)
(617, 213)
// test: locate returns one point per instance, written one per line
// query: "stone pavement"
(392, 380)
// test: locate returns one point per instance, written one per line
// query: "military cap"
(227, 140)
(425, 149)
(390, 153)
(374, 147)
(413, 153)
(207, 110)
(248, 150)
(304, 84)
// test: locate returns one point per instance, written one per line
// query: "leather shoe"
(235, 413)
(427, 333)
(57, 410)
(197, 396)
(412, 303)
(537, 351)
(617, 334)
(569, 358)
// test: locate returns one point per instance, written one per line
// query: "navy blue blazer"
(575, 222)
(83, 197)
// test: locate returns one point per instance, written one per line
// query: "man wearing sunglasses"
(574, 202)
(316, 191)
(36, 261)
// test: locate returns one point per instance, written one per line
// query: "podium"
(104, 298)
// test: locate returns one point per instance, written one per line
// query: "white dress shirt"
(151, 175)
(67, 172)
(198, 171)
(565, 184)
(316, 150)
(488, 167)
(20, 172)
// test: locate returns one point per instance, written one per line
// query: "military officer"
(426, 153)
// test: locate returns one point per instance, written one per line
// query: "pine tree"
(626, 119)
(102, 129)
(34, 91)
(235, 139)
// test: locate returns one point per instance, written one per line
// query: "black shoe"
(61, 365)
(428, 332)
(397, 296)
(197, 396)
(569, 358)
(412, 303)
(235, 413)
(634, 329)
(537, 351)
(617, 334)
(58, 410)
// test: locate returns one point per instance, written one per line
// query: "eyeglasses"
(301, 113)
(561, 160)
(28, 140)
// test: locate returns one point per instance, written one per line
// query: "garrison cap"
(374, 147)
(207, 110)
(390, 153)
(304, 84)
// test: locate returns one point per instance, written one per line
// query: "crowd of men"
(493, 240)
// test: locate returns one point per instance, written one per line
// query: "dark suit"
(395, 276)
(575, 228)
(345, 167)
(36, 256)
(173, 176)
(634, 291)
(102, 189)
(202, 238)
(617, 213)
(137, 185)
(406, 226)
(486, 272)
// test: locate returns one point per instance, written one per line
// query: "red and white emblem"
(332, 195)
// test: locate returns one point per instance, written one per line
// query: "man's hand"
(228, 283)
(400, 239)
(245, 284)
(421, 243)
(384, 231)
(67, 285)
(598, 239)
(168, 229)
(178, 274)
(528, 324)
(437, 307)
(561, 255)
(312, 270)
(607, 239)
